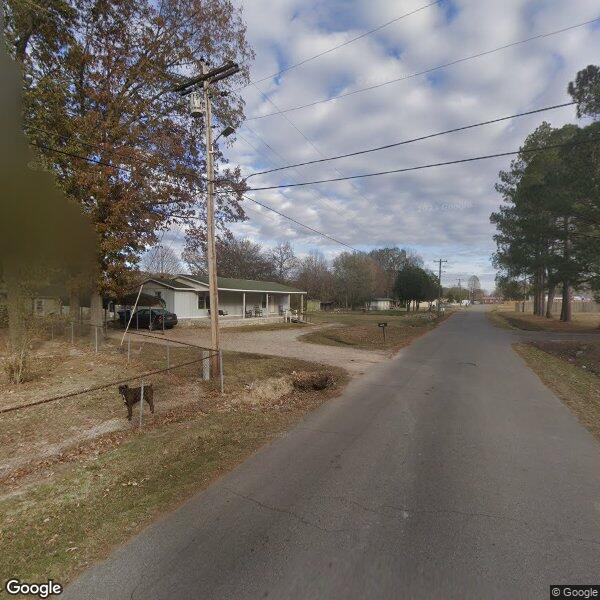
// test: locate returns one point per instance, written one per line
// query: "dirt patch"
(288, 342)
(67, 510)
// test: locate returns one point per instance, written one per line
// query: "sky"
(440, 212)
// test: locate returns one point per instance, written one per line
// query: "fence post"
(141, 401)
(205, 365)
(128, 349)
(221, 369)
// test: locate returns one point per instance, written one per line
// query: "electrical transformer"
(196, 104)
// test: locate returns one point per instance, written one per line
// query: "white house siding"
(186, 305)
(166, 294)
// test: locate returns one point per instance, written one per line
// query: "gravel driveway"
(284, 342)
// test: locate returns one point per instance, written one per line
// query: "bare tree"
(314, 276)
(283, 261)
(161, 260)
(236, 257)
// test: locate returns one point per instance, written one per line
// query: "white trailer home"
(239, 299)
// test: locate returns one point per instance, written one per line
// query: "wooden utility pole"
(213, 290)
(439, 302)
(206, 79)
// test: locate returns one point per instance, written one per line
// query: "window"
(39, 306)
(264, 301)
(158, 294)
(203, 302)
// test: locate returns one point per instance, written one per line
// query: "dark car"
(153, 318)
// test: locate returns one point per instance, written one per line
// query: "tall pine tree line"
(549, 224)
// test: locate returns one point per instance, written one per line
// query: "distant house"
(380, 304)
(187, 296)
(316, 305)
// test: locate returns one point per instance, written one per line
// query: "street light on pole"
(199, 105)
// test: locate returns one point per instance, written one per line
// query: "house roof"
(170, 283)
(245, 285)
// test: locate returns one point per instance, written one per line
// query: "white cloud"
(438, 211)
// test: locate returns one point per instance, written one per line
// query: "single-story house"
(188, 297)
(380, 304)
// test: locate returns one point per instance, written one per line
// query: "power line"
(314, 147)
(410, 141)
(333, 48)
(426, 71)
(280, 213)
(329, 237)
(420, 167)
(88, 159)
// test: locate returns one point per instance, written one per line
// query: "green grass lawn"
(361, 330)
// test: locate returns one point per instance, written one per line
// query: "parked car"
(150, 318)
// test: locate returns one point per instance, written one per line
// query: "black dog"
(132, 396)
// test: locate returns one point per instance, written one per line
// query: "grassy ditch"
(581, 323)
(572, 371)
(361, 330)
(68, 507)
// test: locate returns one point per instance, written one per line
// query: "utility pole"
(459, 292)
(439, 302)
(206, 79)
(213, 290)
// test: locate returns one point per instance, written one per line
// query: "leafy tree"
(96, 79)
(390, 261)
(415, 284)
(355, 278)
(585, 90)
(509, 288)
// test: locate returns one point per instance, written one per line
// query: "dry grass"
(361, 330)
(266, 327)
(578, 388)
(582, 322)
(92, 479)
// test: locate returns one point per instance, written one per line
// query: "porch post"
(243, 305)
(301, 303)
(267, 305)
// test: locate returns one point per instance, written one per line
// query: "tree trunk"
(566, 311)
(542, 291)
(551, 294)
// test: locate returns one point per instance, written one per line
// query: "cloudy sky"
(437, 212)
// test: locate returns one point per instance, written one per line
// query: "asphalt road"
(449, 472)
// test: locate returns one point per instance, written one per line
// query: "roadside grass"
(582, 322)
(578, 388)
(67, 512)
(361, 330)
